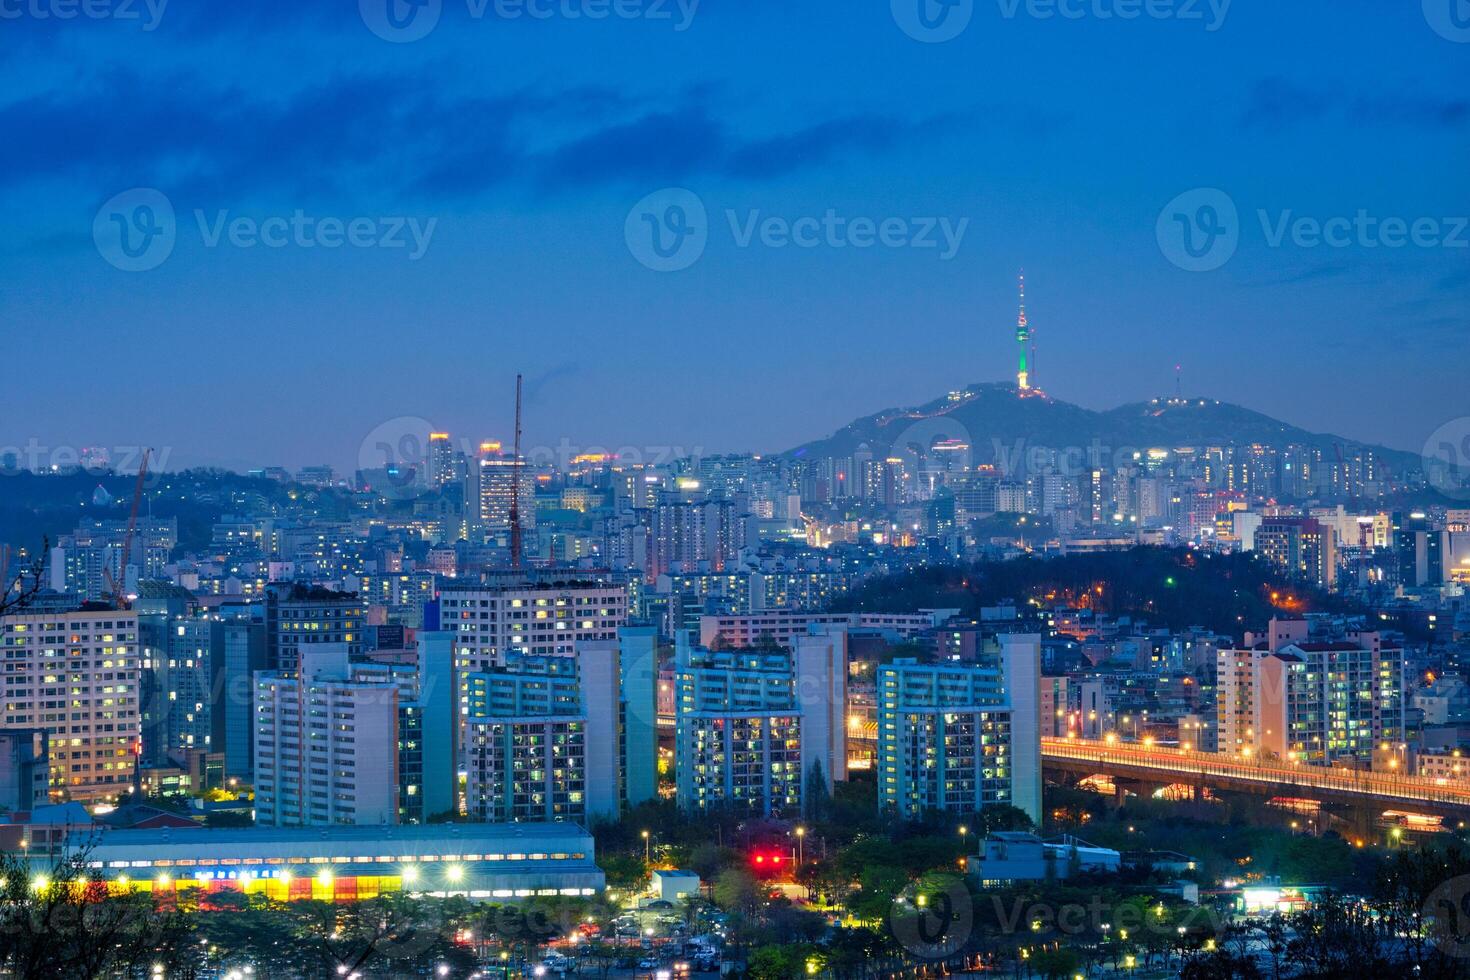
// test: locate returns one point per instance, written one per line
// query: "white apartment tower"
(326, 745)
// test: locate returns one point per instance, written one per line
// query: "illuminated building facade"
(959, 737)
(344, 864)
(298, 617)
(752, 729)
(75, 676)
(552, 738)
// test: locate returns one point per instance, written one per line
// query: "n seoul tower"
(1023, 337)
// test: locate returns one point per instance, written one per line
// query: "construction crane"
(515, 487)
(119, 584)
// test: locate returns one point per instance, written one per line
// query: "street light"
(645, 847)
(800, 847)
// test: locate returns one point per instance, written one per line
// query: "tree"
(1220, 965)
(1056, 964)
(17, 592)
(59, 924)
(817, 801)
(737, 890)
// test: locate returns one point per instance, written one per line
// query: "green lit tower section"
(1023, 337)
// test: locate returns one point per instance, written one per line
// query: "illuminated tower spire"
(1023, 334)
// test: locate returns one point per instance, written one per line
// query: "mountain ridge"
(994, 419)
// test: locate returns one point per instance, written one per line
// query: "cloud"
(381, 135)
(1276, 102)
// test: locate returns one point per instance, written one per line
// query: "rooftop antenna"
(515, 487)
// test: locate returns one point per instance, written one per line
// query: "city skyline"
(393, 440)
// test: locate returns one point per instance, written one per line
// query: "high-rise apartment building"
(174, 658)
(563, 738)
(425, 737)
(1317, 701)
(75, 676)
(958, 737)
(299, 616)
(326, 747)
(25, 769)
(758, 731)
(1301, 547)
(237, 649)
(528, 619)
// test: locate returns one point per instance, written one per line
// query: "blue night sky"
(528, 141)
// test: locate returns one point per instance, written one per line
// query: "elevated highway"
(1160, 766)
